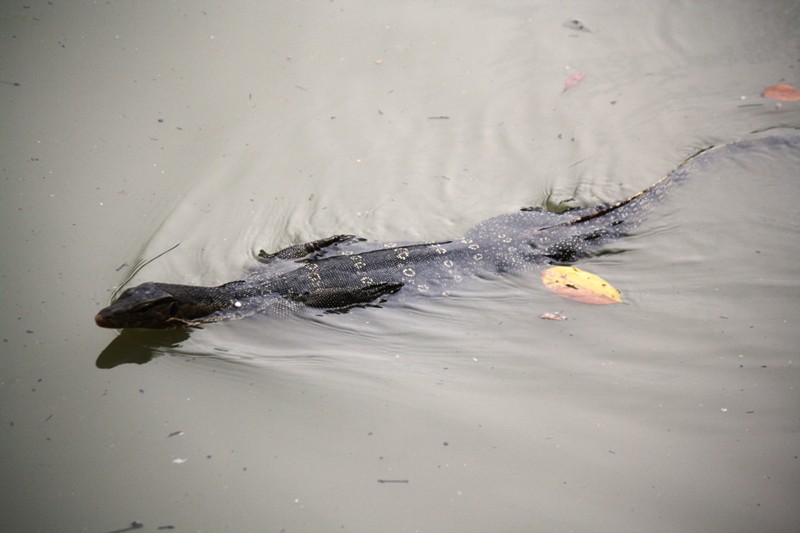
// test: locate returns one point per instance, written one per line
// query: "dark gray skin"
(343, 271)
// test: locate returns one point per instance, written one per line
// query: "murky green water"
(130, 127)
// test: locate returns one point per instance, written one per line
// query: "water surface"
(228, 128)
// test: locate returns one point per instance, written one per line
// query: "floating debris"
(574, 24)
(552, 316)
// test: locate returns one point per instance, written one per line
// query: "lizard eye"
(146, 307)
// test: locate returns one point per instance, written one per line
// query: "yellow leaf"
(579, 285)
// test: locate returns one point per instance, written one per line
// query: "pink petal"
(574, 79)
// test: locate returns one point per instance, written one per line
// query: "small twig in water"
(134, 525)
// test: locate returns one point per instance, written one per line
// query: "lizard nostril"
(101, 319)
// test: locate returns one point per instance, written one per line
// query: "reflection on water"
(140, 346)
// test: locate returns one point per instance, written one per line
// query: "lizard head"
(149, 305)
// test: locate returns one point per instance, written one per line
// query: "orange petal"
(782, 91)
